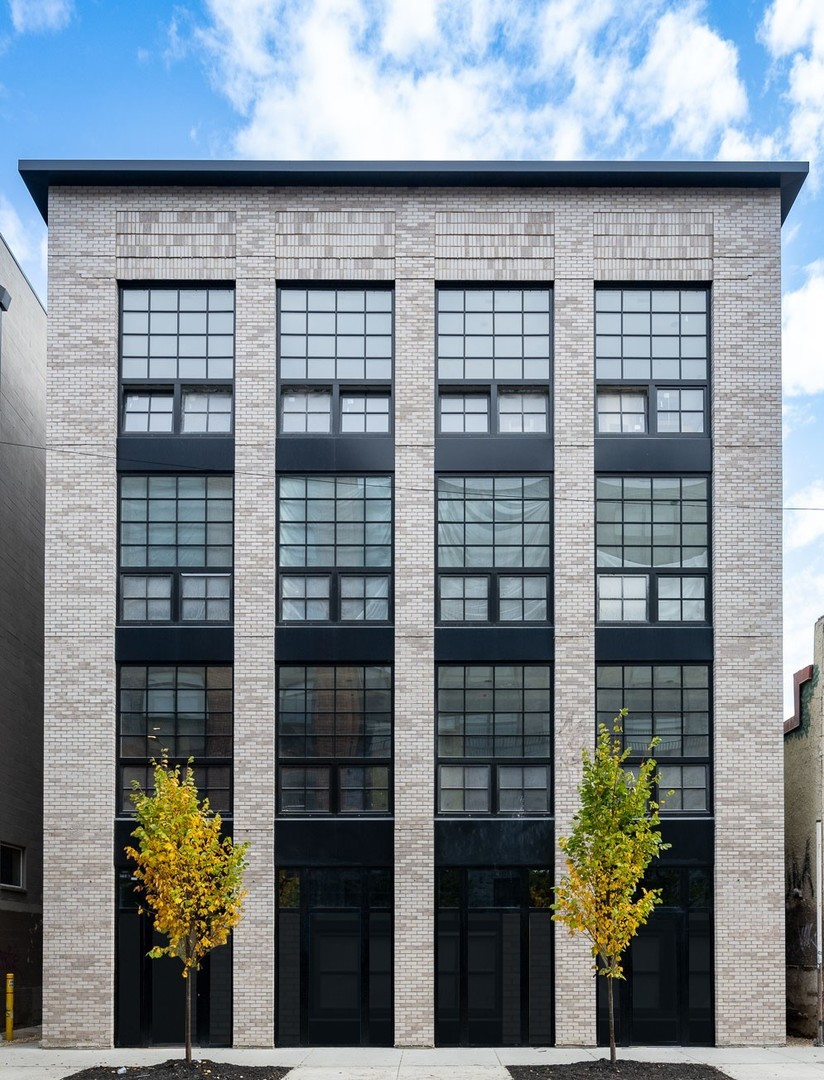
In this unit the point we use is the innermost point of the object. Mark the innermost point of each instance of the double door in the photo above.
(334, 958)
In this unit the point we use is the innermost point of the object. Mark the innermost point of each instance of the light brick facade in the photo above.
(257, 237)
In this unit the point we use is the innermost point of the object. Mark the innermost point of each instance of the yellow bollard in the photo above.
(9, 1007)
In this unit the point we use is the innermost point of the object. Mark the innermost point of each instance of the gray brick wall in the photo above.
(414, 237)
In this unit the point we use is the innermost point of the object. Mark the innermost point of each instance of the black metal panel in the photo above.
(494, 453)
(493, 841)
(339, 453)
(335, 644)
(491, 643)
(170, 453)
(174, 644)
(787, 176)
(334, 842)
(651, 643)
(652, 453)
(692, 840)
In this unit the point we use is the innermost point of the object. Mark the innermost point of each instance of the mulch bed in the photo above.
(624, 1068)
(177, 1069)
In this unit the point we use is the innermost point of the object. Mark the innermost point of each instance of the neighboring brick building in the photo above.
(803, 807)
(501, 449)
(22, 510)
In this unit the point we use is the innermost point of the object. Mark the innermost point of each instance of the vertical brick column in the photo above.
(81, 577)
(254, 615)
(414, 970)
(574, 560)
(746, 583)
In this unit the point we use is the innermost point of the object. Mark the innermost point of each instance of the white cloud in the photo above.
(689, 79)
(801, 334)
(39, 16)
(492, 79)
(804, 518)
(793, 32)
(803, 605)
(27, 242)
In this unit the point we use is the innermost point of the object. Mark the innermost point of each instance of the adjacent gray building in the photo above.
(22, 509)
(380, 485)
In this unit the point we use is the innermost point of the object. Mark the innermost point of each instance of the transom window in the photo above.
(670, 702)
(341, 340)
(655, 338)
(175, 548)
(329, 525)
(335, 739)
(490, 718)
(183, 711)
(647, 529)
(184, 339)
(496, 524)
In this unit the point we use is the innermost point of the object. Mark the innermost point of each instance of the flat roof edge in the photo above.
(40, 175)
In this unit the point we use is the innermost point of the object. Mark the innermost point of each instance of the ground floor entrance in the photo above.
(150, 993)
(493, 957)
(334, 957)
(667, 996)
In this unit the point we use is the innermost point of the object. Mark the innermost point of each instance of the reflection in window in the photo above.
(334, 739)
(486, 334)
(490, 718)
(671, 703)
(336, 334)
(182, 710)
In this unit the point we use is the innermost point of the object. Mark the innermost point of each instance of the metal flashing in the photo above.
(40, 175)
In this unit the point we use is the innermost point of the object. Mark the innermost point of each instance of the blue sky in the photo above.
(486, 79)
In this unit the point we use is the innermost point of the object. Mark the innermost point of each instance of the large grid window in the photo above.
(491, 717)
(335, 739)
(497, 524)
(658, 340)
(328, 525)
(669, 702)
(500, 340)
(175, 548)
(341, 340)
(652, 536)
(177, 349)
(183, 712)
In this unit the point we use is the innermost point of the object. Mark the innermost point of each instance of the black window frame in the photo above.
(13, 853)
(174, 385)
(205, 762)
(175, 571)
(494, 574)
(334, 763)
(335, 572)
(335, 386)
(650, 386)
(493, 386)
(654, 574)
(605, 715)
(494, 762)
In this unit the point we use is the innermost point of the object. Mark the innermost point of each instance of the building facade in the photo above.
(803, 809)
(22, 512)
(379, 486)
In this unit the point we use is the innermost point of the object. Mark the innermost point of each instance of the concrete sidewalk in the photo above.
(26, 1060)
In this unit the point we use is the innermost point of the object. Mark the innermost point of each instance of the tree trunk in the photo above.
(188, 1024)
(611, 1011)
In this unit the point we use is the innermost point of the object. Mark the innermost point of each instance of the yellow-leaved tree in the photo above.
(615, 835)
(190, 878)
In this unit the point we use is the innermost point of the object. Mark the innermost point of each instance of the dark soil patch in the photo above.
(177, 1069)
(624, 1069)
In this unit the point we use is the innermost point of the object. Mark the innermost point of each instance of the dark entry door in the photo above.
(149, 1005)
(334, 958)
(666, 998)
(494, 958)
